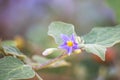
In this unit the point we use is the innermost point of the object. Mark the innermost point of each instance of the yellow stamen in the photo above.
(69, 43)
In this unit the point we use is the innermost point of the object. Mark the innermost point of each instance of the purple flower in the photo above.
(69, 43)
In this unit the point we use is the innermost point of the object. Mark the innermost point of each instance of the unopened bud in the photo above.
(49, 51)
(79, 40)
(77, 51)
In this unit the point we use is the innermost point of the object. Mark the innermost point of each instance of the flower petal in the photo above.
(75, 47)
(63, 47)
(65, 37)
(70, 50)
(73, 38)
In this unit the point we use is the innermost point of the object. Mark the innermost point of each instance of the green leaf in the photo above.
(14, 51)
(8, 43)
(12, 68)
(11, 50)
(9, 47)
(96, 49)
(100, 38)
(58, 28)
(105, 36)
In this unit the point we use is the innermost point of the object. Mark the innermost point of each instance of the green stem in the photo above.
(37, 75)
(49, 62)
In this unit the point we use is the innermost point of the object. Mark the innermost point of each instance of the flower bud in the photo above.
(79, 40)
(77, 51)
(49, 51)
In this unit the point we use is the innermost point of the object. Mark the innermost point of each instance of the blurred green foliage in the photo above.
(115, 5)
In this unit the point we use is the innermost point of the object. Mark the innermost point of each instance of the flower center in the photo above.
(69, 43)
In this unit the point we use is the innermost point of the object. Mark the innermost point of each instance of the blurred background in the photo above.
(28, 20)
